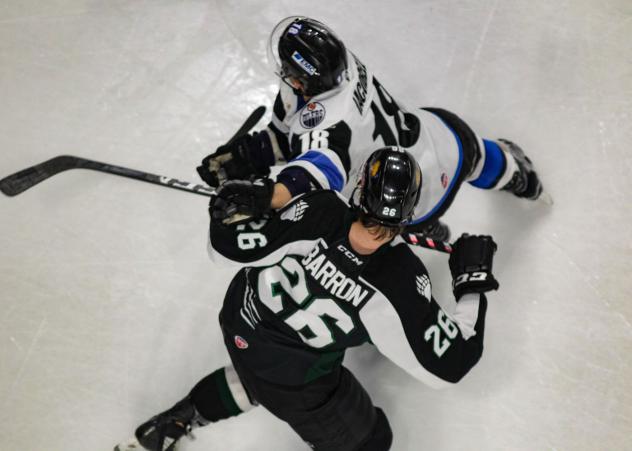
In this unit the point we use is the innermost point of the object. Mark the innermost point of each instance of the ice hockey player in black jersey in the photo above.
(320, 277)
(331, 112)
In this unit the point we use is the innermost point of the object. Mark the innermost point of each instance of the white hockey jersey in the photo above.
(333, 134)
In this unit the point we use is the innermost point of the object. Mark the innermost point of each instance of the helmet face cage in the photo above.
(308, 51)
(389, 186)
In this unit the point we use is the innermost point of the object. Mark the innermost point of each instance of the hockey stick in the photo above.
(418, 239)
(29, 177)
(19, 182)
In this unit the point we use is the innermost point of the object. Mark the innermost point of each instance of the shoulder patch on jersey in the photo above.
(312, 115)
(295, 212)
(423, 286)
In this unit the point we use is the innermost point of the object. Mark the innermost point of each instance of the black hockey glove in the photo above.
(240, 200)
(471, 265)
(246, 156)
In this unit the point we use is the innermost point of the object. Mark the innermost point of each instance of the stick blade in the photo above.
(19, 182)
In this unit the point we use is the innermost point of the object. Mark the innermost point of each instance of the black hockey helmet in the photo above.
(307, 50)
(389, 186)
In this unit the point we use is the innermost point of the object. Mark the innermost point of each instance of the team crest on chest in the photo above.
(312, 115)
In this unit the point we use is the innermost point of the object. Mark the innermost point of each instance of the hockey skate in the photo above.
(525, 181)
(163, 431)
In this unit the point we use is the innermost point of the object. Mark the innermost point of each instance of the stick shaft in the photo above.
(19, 182)
(162, 180)
(418, 239)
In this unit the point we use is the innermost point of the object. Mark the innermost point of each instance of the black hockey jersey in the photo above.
(305, 296)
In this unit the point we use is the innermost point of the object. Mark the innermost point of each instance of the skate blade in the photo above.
(130, 445)
(545, 198)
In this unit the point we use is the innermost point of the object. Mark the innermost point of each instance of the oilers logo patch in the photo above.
(312, 115)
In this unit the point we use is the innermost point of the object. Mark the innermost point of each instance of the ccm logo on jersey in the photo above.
(312, 115)
(350, 255)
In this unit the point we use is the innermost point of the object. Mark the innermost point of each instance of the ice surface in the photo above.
(109, 304)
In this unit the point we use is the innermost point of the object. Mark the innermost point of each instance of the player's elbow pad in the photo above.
(468, 364)
(216, 257)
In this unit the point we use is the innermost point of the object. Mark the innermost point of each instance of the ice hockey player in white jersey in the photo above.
(331, 112)
(319, 277)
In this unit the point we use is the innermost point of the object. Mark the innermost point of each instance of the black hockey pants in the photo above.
(471, 155)
(331, 413)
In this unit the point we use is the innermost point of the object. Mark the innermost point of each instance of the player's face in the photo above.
(296, 84)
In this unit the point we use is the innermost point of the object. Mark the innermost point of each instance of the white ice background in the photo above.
(108, 303)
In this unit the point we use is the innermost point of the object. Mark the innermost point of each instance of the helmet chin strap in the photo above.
(352, 198)
(295, 90)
